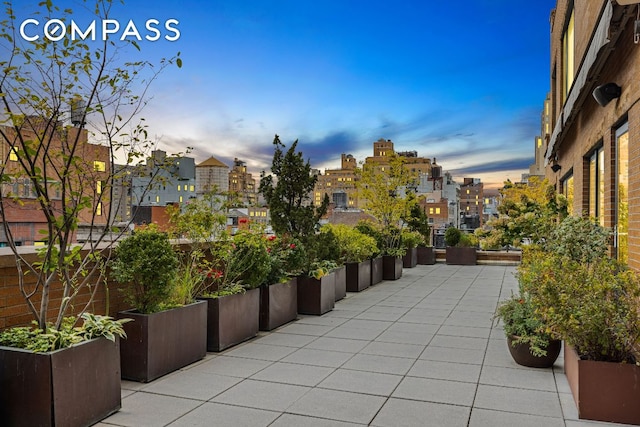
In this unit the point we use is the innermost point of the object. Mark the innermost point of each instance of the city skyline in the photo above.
(464, 83)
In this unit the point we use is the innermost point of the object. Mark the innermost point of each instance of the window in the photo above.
(99, 209)
(467, 191)
(437, 211)
(568, 53)
(622, 193)
(13, 154)
(192, 188)
(180, 199)
(99, 166)
(430, 211)
(157, 199)
(596, 185)
(567, 191)
(179, 187)
(99, 187)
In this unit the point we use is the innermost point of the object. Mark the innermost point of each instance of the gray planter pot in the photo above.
(232, 319)
(358, 275)
(278, 304)
(75, 386)
(316, 296)
(461, 256)
(163, 342)
(391, 267)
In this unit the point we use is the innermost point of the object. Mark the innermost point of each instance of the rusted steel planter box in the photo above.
(391, 267)
(376, 270)
(341, 282)
(603, 391)
(461, 256)
(75, 386)
(278, 304)
(316, 296)
(426, 255)
(232, 319)
(410, 259)
(358, 275)
(163, 342)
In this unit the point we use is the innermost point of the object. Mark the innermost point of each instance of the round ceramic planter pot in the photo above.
(522, 355)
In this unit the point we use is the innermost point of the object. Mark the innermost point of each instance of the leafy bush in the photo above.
(595, 307)
(452, 236)
(39, 340)
(287, 256)
(411, 239)
(146, 264)
(418, 221)
(580, 239)
(368, 229)
(353, 245)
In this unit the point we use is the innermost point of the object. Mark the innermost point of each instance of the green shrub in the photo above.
(452, 236)
(353, 245)
(580, 239)
(411, 239)
(146, 265)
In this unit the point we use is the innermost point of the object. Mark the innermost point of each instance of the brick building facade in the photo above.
(592, 154)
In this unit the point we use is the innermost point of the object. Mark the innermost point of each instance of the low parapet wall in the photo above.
(509, 258)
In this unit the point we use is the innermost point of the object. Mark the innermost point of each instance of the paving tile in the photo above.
(338, 344)
(286, 340)
(375, 315)
(309, 356)
(541, 379)
(232, 366)
(393, 349)
(445, 371)
(325, 320)
(459, 342)
(226, 415)
(292, 420)
(262, 395)
(488, 418)
(361, 382)
(421, 338)
(533, 402)
(412, 413)
(376, 325)
(465, 331)
(382, 364)
(305, 329)
(192, 384)
(260, 351)
(338, 405)
(147, 409)
(458, 355)
(353, 333)
(439, 391)
(290, 373)
(413, 327)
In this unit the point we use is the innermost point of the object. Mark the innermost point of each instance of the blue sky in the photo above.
(462, 81)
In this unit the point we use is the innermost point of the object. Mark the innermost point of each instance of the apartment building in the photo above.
(22, 210)
(593, 155)
(242, 185)
(471, 203)
(338, 184)
(212, 176)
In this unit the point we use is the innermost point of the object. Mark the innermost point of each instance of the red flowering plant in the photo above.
(287, 257)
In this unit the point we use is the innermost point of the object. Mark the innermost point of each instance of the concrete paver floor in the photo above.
(418, 351)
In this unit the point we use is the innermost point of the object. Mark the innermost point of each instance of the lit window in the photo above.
(596, 185)
(180, 199)
(179, 187)
(264, 214)
(252, 214)
(99, 166)
(13, 154)
(39, 243)
(467, 207)
(437, 211)
(99, 187)
(567, 190)
(476, 203)
(467, 191)
(568, 47)
(430, 211)
(157, 199)
(192, 188)
(99, 209)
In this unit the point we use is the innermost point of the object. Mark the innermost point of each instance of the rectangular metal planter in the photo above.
(232, 319)
(410, 259)
(461, 256)
(75, 386)
(376, 270)
(316, 296)
(163, 342)
(426, 255)
(391, 267)
(358, 275)
(341, 282)
(603, 391)
(278, 304)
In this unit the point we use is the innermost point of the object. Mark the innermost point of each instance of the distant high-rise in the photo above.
(212, 177)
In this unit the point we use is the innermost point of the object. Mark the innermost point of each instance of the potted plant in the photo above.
(240, 265)
(169, 327)
(52, 168)
(325, 247)
(418, 221)
(461, 248)
(592, 303)
(356, 250)
(410, 241)
(527, 339)
(279, 296)
(316, 288)
(367, 228)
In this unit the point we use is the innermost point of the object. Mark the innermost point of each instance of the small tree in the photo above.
(418, 221)
(387, 198)
(61, 165)
(288, 193)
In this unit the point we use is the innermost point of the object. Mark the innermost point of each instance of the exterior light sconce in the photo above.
(555, 167)
(605, 93)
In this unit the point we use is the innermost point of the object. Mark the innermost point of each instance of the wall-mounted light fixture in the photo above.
(605, 93)
(555, 167)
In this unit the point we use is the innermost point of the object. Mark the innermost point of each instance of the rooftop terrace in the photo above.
(413, 352)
